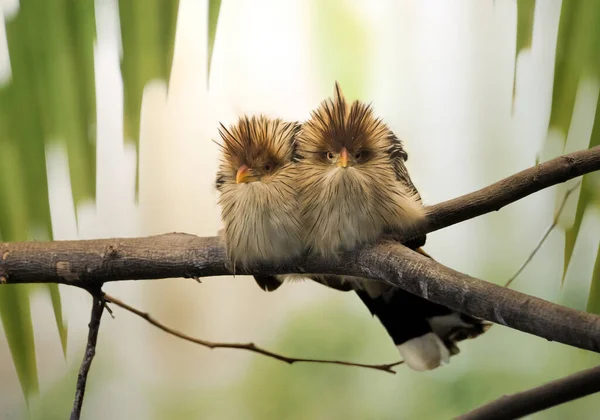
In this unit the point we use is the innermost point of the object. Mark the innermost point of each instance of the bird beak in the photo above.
(343, 162)
(243, 175)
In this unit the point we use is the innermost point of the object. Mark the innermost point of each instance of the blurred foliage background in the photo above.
(107, 108)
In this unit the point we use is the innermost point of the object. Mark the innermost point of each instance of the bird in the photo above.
(258, 198)
(355, 188)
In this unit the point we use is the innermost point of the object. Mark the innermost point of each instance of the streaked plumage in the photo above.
(259, 203)
(335, 210)
(354, 187)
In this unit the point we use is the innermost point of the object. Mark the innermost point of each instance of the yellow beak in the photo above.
(343, 162)
(243, 175)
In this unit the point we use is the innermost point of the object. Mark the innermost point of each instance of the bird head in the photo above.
(345, 137)
(255, 150)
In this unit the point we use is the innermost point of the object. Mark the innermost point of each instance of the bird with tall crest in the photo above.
(354, 188)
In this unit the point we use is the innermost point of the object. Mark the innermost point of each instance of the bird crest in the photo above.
(336, 123)
(255, 139)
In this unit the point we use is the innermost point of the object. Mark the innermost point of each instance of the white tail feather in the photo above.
(424, 353)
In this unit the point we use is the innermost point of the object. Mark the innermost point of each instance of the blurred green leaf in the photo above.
(50, 38)
(577, 56)
(214, 7)
(60, 322)
(342, 44)
(147, 34)
(18, 328)
(50, 99)
(62, 92)
(594, 300)
(14, 299)
(590, 192)
(565, 73)
(525, 12)
(81, 25)
(148, 38)
(22, 106)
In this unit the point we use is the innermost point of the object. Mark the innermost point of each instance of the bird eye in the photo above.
(329, 155)
(358, 155)
(267, 167)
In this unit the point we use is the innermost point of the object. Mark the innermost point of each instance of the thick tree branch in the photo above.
(387, 367)
(89, 264)
(90, 352)
(540, 398)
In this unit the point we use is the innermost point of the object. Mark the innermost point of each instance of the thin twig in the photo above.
(544, 237)
(109, 310)
(244, 346)
(90, 352)
(546, 234)
(539, 398)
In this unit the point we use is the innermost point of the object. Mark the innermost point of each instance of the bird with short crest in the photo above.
(258, 197)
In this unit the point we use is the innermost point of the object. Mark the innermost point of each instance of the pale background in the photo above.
(440, 73)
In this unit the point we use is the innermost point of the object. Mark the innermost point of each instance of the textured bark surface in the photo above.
(90, 263)
(512, 188)
(540, 398)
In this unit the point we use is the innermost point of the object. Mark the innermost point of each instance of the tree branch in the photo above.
(89, 264)
(512, 188)
(387, 367)
(540, 398)
(90, 352)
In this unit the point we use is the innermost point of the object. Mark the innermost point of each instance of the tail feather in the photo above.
(272, 283)
(423, 353)
(268, 283)
(425, 333)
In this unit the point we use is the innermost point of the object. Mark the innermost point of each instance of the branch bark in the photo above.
(88, 264)
(512, 188)
(91, 263)
(540, 398)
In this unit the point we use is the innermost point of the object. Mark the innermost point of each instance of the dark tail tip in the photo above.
(267, 283)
